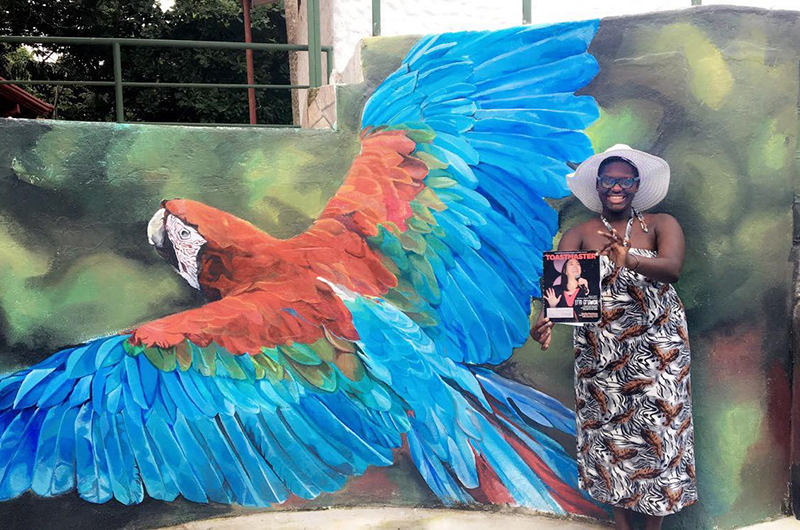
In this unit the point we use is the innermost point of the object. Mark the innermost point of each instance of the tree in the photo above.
(188, 20)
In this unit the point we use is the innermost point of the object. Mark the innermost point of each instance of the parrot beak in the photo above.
(156, 231)
(157, 236)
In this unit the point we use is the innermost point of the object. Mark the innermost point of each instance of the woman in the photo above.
(569, 287)
(635, 436)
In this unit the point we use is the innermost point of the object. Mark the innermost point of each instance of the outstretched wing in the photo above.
(460, 147)
(114, 420)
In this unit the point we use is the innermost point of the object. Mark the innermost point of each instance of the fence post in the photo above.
(314, 44)
(329, 64)
(376, 18)
(251, 77)
(118, 83)
(526, 12)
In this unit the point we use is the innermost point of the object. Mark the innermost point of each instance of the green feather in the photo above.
(420, 134)
(324, 350)
(162, 359)
(412, 241)
(231, 364)
(320, 377)
(422, 212)
(428, 197)
(393, 249)
(431, 161)
(130, 349)
(184, 355)
(442, 250)
(266, 360)
(300, 353)
(422, 271)
(418, 225)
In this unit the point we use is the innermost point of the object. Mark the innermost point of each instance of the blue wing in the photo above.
(103, 420)
(496, 120)
(473, 434)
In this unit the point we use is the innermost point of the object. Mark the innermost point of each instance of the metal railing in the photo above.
(314, 49)
(376, 15)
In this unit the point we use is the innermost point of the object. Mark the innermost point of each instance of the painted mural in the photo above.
(317, 356)
(382, 317)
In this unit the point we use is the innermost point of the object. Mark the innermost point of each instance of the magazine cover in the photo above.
(571, 287)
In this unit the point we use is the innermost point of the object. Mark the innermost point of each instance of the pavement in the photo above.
(414, 519)
(788, 523)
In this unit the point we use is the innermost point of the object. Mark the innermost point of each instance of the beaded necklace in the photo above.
(627, 240)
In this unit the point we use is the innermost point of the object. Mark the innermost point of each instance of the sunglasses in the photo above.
(609, 182)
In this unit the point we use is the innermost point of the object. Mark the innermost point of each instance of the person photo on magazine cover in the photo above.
(568, 287)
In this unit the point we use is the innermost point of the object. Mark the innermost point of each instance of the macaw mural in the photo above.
(317, 356)
(713, 90)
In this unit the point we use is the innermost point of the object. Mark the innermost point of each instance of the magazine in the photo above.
(571, 287)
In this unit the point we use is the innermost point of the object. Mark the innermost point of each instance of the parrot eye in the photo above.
(184, 234)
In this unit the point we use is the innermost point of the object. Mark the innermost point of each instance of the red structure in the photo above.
(16, 102)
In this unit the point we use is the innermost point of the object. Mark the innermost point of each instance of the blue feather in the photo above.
(152, 468)
(236, 478)
(81, 392)
(64, 472)
(125, 483)
(18, 453)
(297, 476)
(30, 390)
(264, 484)
(202, 460)
(57, 390)
(174, 460)
(110, 352)
(147, 377)
(44, 463)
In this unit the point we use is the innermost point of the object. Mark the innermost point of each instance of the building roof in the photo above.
(16, 102)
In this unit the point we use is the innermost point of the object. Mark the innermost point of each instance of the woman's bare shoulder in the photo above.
(589, 226)
(574, 238)
(663, 221)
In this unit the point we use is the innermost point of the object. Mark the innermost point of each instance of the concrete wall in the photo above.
(714, 91)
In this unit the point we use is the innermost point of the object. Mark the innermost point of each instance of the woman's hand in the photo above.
(614, 249)
(541, 331)
(583, 282)
(551, 298)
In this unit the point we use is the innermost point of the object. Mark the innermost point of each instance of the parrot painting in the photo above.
(318, 356)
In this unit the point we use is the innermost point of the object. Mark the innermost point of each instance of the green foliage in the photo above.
(75, 199)
(220, 20)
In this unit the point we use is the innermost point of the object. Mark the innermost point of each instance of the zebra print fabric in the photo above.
(634, 413)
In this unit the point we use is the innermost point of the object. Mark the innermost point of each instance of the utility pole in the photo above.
(251, 77)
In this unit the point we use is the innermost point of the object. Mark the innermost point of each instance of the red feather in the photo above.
(269, 291)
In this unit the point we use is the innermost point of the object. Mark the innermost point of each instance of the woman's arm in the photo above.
(669, 243)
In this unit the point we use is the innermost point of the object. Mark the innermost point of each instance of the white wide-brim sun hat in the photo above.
(653, 178)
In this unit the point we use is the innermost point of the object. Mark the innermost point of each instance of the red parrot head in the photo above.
(202, 243)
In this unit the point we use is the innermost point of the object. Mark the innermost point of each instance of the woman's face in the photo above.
(573, 268)
(617, 199)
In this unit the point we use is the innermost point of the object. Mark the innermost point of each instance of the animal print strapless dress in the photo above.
(634, 413)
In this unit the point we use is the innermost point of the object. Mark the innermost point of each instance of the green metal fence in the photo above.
(314, 49)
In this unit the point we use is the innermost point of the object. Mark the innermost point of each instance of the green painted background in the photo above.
(714, 91)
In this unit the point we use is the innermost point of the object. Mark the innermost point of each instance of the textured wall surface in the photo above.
(352, 19)
(719, 104)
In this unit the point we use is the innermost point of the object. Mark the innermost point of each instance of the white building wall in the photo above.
(352, 19)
